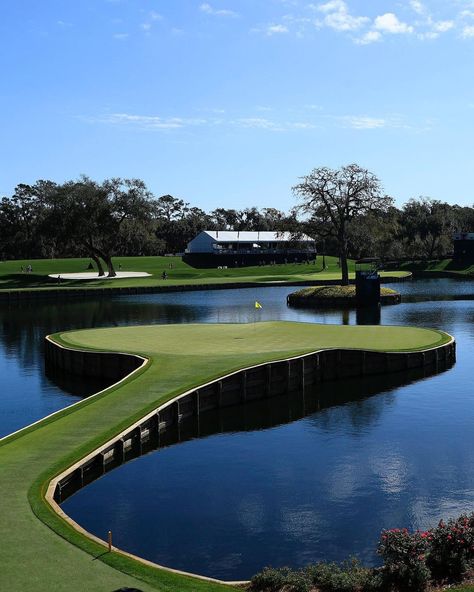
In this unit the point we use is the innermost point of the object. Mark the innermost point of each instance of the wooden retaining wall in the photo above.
(89, 364)
(259, 382)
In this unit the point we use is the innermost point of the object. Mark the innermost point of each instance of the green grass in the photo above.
(33, 556)
(180, 274)
(447, 266)
(330, 292)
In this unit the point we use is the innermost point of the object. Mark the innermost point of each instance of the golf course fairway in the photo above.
(40, 551)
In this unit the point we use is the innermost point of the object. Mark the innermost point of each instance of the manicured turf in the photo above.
(331, 292)
(179, 274)
(445, 266)
(33, 556)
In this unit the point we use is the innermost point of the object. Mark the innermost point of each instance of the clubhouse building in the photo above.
(464, 246)
(232, 248)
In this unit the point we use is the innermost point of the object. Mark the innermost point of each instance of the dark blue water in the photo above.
(372, 454)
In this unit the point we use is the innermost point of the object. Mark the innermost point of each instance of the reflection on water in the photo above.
(297, 490)
(316, 487)
(27, 394)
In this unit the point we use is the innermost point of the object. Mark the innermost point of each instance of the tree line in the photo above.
(344, 210)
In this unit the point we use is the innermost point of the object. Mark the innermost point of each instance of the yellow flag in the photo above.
(257, 304)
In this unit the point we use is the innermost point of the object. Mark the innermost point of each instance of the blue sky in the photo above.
(226, 103)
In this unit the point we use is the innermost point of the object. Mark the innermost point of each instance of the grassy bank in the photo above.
(439, 266)
(37, 554)
(179, 273)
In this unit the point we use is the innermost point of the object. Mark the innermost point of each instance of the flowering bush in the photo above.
(411, 560)
(451, 547)
(404, 556)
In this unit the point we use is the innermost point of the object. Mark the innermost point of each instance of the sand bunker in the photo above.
(92, 275)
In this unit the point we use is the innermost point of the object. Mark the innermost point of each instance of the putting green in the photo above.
(33, 556)
(250, 339)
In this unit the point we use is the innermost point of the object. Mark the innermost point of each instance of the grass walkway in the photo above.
(33, 556)
(179, 274)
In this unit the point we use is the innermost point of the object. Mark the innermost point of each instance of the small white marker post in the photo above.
(110, 541)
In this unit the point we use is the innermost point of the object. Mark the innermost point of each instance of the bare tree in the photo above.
(331, 198)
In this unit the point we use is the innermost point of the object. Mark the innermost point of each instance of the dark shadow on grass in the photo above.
(458, 265)
(24, 280)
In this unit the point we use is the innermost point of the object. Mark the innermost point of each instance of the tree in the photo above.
(333, 197)
(177, 223)
(225, 219)
(171, 208)
(94, 215)
(376, 234)
(428, 226)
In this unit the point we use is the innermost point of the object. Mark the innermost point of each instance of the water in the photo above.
(269, 486)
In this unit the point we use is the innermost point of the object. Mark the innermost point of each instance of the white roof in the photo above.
(246, 236)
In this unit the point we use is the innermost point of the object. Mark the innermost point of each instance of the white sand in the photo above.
(88, 275)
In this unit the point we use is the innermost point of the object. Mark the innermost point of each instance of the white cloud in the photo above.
(257, 122)
(121, 36)
(369, 37)
(331, 6)
(161, 124)
(155, 16)
(443, 26)
(260, 122)
(208, 9)
(361, 122)
(338, 16)
(467, 32)
(271, 29)
(343, 21)
(276, 29)
(148, 122)
(271, 125)
(418, 7)
(367, 122)
(389, 23)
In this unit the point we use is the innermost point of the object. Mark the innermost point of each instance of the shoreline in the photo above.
(20, 295)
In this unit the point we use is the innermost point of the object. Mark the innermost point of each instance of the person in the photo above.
(59, 279)
(22, 269)
(120, 266)
(164, 275)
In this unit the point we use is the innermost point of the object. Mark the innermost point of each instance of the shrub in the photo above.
(404, 556)
(451, 547)
(275, 579)
(349, 576)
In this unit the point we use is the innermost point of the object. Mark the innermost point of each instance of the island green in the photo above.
(41, 551)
